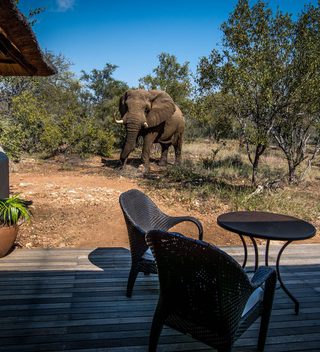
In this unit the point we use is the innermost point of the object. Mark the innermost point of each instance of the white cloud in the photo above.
(65, 5)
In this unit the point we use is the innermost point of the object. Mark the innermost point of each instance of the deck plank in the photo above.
(74, 300)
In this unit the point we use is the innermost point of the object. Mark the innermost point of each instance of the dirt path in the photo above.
(77, 205)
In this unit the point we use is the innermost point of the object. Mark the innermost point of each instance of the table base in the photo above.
(266, 259)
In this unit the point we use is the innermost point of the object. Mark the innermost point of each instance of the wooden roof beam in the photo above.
(12, 52)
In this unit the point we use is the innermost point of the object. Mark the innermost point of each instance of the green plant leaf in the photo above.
(13, 210)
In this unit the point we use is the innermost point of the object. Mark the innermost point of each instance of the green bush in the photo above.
(90, 139)
(11, 136)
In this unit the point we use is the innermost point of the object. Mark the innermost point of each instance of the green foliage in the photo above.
(10, 137)
(12, 210)
(89, 139)
(171, 77)
(298, 123)
(101, 85)
(209, 118)
(34, 122)
(102, 93)
(55, 115)
(267, 67)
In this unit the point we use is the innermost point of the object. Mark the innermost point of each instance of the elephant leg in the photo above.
(178, 148)
(146, 149)
(164, 154)
(124, 163)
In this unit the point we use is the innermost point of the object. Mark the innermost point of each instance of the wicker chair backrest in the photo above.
(141, 210)
(200, 285)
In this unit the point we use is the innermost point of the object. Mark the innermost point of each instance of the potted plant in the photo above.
(13, 212)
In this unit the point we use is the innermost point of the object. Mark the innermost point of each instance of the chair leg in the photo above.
(131, 280)
(156, 328)
(225, 349)
(270, 286)
(263, 331)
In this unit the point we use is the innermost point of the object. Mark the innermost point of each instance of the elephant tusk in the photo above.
(145, 125)
(118, 121)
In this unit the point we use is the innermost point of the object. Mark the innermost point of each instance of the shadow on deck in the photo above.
(74, 300)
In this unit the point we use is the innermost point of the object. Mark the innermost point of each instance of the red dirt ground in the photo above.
(76, 204)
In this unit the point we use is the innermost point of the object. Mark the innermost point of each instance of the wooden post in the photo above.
(4, 175)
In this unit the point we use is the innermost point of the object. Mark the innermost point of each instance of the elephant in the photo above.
(153, 115)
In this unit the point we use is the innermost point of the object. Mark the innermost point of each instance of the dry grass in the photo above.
(217, 176)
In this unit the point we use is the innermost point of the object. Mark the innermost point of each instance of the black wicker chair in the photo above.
(205, 293)
(142, 215)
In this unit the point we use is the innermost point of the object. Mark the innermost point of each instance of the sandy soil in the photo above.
(76, 204)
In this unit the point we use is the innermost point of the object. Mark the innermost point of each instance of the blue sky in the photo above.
(130, 34)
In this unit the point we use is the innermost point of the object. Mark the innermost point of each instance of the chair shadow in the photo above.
(99, 256)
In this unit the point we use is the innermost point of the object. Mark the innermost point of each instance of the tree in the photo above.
(171, 77)
(209, 118)
(101, 85)
(102, 93)
(48, 116)
(255, 70)
(298, 124)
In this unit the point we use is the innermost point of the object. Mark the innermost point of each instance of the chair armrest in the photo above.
(263, 274)
(174, 220)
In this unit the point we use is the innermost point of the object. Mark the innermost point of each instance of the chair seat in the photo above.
(148, 255)
(256, 297)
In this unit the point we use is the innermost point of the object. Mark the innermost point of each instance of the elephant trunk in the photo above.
(130, 143)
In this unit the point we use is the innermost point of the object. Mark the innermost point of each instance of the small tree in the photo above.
(294, 137)
(101, 86)
(253, 70)
(209, 118)
(101, 93)
(171, 77)
(298, 124)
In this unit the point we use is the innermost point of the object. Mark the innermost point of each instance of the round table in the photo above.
(267, 226)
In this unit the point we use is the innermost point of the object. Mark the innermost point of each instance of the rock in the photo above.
(71, 191)
(25, 184)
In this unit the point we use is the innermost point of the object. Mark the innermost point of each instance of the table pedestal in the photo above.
(266, 259)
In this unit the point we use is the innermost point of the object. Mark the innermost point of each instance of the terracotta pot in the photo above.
(8, 235)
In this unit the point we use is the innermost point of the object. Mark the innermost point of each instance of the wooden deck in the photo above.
(74, 300)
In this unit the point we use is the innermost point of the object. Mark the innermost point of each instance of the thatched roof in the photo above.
(20, 54)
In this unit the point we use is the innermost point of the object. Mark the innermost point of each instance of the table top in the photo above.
(266, 225)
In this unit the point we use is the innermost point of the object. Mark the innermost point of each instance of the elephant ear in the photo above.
(122, 105)
(162, 108)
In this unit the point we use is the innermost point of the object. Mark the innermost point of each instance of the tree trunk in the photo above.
(255, 162)
(291, 171)
(255, 171)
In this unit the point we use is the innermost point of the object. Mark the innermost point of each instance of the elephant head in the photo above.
(141, 109)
